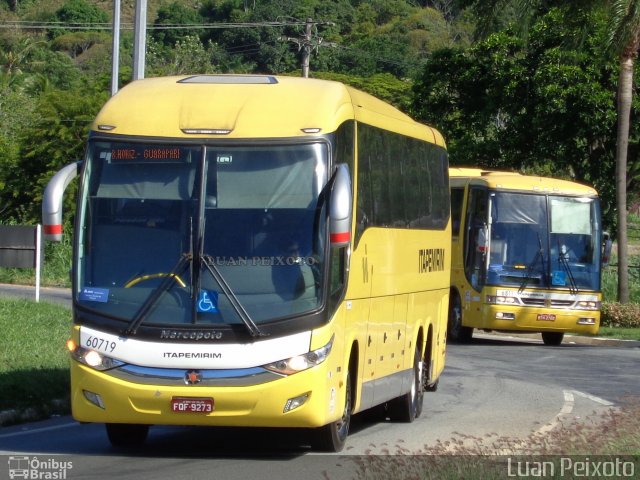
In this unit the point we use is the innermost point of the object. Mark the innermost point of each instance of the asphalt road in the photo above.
(496, 386)
(47, 294)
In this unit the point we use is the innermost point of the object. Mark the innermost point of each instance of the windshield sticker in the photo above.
(94, 294)
(224, 158)
(208, 301)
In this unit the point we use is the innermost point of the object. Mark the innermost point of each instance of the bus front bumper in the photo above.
(536, 320)
(100, 397)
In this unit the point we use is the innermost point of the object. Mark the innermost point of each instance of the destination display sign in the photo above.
(146, 153)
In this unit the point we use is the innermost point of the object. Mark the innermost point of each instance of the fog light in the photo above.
(94, 398)
(505, 316)
(586, 321)
(295, 402)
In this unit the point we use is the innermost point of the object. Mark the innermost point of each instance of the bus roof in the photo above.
(247, 106)
(501, 180)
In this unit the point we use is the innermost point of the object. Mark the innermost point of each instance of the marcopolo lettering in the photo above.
(190, 335)
(431, 260)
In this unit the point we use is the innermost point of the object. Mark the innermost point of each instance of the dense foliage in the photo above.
(534, 107)
(539, 104)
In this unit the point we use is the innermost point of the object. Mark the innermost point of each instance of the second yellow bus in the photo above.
(526, 255)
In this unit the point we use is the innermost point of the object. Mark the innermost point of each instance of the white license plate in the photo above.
(547, 317)
(191, 405)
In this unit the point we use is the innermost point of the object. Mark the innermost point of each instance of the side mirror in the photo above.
(607, 244)
(340, 207)
(52, 201)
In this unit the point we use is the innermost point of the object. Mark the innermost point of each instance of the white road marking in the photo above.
(593, 398)
(567, 408)
(38, 430)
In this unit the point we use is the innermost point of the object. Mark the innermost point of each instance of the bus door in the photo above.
(476, 248)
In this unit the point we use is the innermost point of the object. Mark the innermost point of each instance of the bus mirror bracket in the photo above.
(52, 201)
(340, 207)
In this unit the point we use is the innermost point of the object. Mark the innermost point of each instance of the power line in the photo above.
(32, 25)
(307, 43)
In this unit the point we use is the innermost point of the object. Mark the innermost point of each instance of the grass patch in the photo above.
(34, 364)
(620, 333)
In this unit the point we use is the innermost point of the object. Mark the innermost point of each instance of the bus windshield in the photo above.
(191, 234)
(544, 241)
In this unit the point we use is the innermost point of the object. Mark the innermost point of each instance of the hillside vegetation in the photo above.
(540, 102)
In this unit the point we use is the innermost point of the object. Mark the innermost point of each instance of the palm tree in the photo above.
(624, 41)
(624, 38)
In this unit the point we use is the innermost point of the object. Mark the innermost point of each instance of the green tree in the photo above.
(62, 121)
(624, 41)
(176, 14)
(77, 43)
(16, 113)
(79, 12)
(381, 85)
(624, 38)
(533, 107)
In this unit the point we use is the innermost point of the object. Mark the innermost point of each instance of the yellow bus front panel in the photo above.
(253, 405)
(527, 319)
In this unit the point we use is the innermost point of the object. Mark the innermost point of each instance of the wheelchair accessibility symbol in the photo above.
(208, 302)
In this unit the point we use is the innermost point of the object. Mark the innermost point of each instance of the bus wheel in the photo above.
(408, 407)
(126, 435)
(552, 338)
(332, 437)
(455, 331)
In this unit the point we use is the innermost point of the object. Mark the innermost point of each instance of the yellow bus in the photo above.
(255, 251)
(527, 254)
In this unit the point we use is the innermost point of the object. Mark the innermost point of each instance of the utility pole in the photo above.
(115, 55)
(139, 43)
(307, 43)
(306, 49)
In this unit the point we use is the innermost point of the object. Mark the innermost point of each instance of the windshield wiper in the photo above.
(231, 296)
(167, 282)
(562, 258)
(540, 255)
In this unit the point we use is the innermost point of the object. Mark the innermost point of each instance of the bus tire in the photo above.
(333, 436)
(455, 331)
(408, 407)
(126, 435)
(552, 338)
(432, 387)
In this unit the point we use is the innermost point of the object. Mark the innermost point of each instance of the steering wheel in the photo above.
(151, 276)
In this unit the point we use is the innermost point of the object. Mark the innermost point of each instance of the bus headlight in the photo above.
(91, 358)
(498, 300)
(299, 363)
(588, 305)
